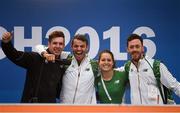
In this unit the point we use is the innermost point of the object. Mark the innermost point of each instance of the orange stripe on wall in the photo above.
(86, 108)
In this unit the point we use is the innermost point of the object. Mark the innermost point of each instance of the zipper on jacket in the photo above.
(139, 88)
(76, 87)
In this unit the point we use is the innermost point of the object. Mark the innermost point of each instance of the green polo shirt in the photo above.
(115, 87)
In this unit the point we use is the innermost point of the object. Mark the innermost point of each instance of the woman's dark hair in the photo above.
(107, 51)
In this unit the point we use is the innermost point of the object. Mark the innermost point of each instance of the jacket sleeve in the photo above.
(168, 80)
(23, 59)
(40, 48)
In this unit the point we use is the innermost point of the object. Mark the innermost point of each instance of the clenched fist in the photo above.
(6, 37)
(49, 57)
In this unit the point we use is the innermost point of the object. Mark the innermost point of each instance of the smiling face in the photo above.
(56, 45)
(106, 62)
(79, 49)
(135, 49)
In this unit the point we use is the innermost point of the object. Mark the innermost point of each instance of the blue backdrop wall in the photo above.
(107, 23)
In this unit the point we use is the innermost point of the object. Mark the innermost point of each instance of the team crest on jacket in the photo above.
(117, 82)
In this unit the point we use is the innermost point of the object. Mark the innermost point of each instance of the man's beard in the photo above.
(136, 56)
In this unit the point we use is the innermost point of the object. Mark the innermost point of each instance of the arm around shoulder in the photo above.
(40, 49)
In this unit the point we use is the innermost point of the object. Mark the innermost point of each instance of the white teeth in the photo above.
(106, 66)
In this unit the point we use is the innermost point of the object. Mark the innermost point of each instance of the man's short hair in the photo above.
(134, 36)
(80, 37)
(55, 34)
